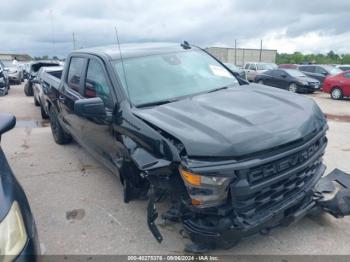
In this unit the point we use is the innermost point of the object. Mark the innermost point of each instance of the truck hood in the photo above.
(236, 121)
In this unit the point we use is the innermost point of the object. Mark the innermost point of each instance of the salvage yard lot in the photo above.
(79, 209)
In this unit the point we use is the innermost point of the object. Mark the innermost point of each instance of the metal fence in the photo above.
(239, 56)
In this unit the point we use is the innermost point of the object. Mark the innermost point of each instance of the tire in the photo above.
(28, 89)
(336, 93)
(36, 103)
(43, 113)
(59, 135)
(293, 87)
(261, 82)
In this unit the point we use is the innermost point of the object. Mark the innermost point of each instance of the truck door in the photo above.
(98, 134)
(69, 93)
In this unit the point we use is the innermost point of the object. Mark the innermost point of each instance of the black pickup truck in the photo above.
(171, 120)
(46, 77)
(34, 68)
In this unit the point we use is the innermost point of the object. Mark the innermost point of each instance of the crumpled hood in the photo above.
(236, 121)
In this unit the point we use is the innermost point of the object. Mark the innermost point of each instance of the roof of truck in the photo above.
(133, 50)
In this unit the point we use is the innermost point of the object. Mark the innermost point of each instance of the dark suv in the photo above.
(171, 120)
(319, 72)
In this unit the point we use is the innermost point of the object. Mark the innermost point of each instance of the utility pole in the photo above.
(74, 44)
(53, 34)
(235, 52)
(260, 50)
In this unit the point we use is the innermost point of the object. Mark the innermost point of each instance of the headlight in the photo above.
(205, 191)
(13, 235)
(304, 83)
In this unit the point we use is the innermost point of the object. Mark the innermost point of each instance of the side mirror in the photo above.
(90, 107)
(7, 122)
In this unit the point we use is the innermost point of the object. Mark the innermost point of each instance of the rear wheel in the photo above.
(60, 136)
(293, 88)
(336, 93)
(43, 113)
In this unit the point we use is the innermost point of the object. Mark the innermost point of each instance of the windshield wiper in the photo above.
(156, 103)
(218, 89)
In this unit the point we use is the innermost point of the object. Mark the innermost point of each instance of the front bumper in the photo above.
(16, 77)
(307, 88)
(229, 230)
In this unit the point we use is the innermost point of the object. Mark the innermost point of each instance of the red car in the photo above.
(338, 85)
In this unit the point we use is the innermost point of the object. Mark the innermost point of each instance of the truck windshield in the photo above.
(167, 77)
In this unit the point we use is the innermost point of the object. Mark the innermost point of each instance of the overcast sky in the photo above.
(40, 27)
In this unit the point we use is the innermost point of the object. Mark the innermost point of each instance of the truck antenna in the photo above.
(121, 58)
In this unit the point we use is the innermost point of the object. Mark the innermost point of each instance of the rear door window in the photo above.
(307, 69)
(75, 72)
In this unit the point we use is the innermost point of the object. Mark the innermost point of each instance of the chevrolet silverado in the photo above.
(171, 120)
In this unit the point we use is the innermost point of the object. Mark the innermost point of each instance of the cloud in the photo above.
(46, 26)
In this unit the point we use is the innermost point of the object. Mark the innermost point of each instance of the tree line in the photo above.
(299, 58)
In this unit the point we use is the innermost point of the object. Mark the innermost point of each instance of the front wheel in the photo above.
(293, 88)
(60, 136)
(336, 93)
(261, 82)
(36, 103)
(28, 89)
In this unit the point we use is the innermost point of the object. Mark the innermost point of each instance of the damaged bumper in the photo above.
(229, 229)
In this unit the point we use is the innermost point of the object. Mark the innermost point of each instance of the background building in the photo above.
(19, 57)
(239, 56)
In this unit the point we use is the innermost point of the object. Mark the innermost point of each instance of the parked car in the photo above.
(252, 69)
(33, 71)
(338, 86)
(45, 78)
(343, 67)
(18, 235)
(170, 119)
(14, 72)
(288, 66)
(4, 81)
(289, 79)
(240, 72)
(320, 72)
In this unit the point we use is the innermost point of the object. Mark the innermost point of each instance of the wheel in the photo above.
(60, 136)
(336, 93)
(36, 103)
(43, 113)
(293, 87)
(28, 89)
(261, 82)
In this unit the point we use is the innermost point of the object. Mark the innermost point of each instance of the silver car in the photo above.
(14, 72)
(252, 69)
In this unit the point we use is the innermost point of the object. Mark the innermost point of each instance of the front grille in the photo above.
(262, 188)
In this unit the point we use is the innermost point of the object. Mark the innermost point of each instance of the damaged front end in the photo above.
(220, 204)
